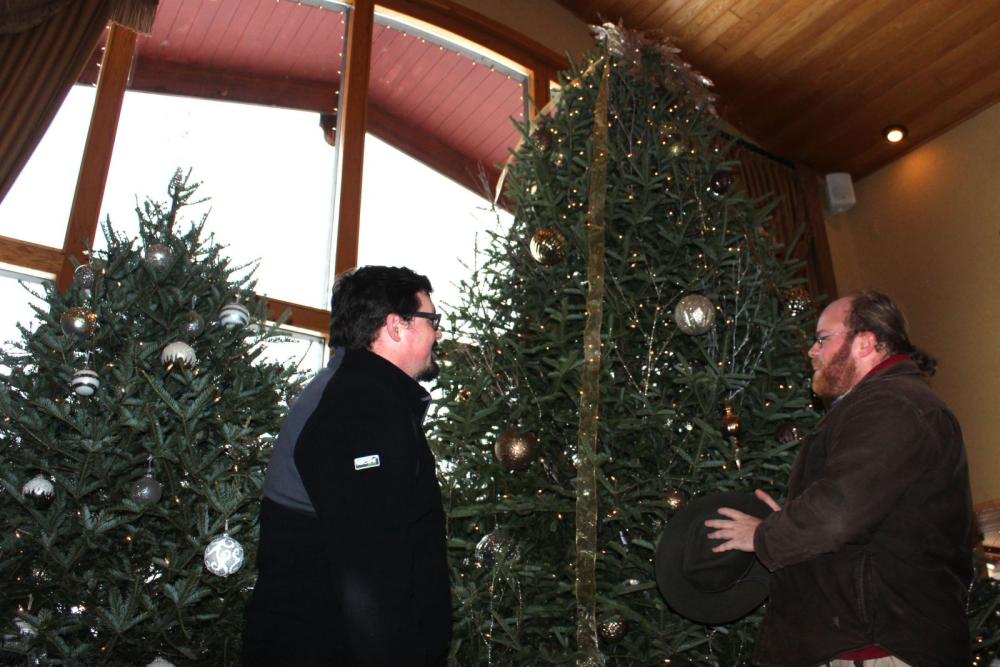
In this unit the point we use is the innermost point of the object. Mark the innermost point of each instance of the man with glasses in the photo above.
(352, 561)
(871, 554)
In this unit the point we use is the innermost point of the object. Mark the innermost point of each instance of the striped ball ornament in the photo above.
(234, 315)
(85, 382)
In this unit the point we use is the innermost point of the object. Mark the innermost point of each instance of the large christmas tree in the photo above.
(136, 418)
(637, 339)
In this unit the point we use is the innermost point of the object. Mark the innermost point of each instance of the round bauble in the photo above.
(85, 382)
(731, 423)
(694, 314)
(159, 258)
(496, 546)
(180, 353)
(612, 630)
(542, 138)
(192, 325)
(224, 556)
(234, 315)
(39, 490)
(548, 246)
(797, 301)
(721, 183)
(788, 432)
(514, 449)
(146, 490)
(83, 277)
(78, 322)
(676, 500)
(160, 662)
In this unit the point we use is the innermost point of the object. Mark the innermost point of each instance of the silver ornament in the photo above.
(83, 276)
(159, 258)
(224, 556)
(178, 352)
(78, 322)
(146, 490)
(193, 324)
(694, 314)
(234, 315)
(495, 547)
(85, 382)
(39, 490)
(159, 661)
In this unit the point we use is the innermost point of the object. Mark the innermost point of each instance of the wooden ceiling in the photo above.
(816, 81)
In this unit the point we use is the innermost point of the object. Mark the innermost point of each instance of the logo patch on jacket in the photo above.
(370, 461)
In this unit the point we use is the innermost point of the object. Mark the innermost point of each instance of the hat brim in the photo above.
(710, 608)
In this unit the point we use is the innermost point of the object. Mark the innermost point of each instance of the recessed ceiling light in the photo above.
(894, 133)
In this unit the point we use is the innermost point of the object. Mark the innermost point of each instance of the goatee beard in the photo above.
(430, 372)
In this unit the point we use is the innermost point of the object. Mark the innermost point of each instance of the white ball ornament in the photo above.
(160, 662)
(234, 315)
(224, 556)
(694, 314)
(178, 352)
(85, 382)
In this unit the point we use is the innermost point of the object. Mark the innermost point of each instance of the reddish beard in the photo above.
(836, 377)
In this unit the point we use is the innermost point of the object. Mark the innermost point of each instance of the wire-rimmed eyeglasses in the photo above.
(821, 340)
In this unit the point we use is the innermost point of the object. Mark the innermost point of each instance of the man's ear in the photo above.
(392, 324)
(867, 343)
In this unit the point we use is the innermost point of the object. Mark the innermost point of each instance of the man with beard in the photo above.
(870, 557)
(352, 562)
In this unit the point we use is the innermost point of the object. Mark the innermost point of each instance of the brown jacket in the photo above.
(873, 547)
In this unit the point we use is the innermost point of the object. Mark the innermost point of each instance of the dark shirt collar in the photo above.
(389, 374)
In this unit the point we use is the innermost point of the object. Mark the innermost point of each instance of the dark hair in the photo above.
(363, 297)
(875, 312)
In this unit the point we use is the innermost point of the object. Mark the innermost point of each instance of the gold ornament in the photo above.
(464, 394)
(613, 630)
(797, 301)
(514, 449)
(676, 145)
(548, 246)
(676, 500)
(731, 424)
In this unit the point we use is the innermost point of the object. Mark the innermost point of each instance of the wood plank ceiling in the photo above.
(816, 81)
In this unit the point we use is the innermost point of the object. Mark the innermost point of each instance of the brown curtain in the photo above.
(44, 45)
(797, 221)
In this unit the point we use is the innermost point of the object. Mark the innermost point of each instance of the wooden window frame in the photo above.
(541, 64)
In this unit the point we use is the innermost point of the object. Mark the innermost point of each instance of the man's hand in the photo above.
(737, 530)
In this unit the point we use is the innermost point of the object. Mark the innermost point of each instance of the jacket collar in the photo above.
(393, 378)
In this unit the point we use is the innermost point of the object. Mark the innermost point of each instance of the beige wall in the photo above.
(544, 21)
(926, 230)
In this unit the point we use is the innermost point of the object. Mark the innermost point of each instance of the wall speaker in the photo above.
(839, 192)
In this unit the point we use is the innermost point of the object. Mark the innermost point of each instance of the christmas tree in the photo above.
(637, 339)
(137, 415)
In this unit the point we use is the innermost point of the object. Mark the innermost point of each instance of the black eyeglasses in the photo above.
(435, 318)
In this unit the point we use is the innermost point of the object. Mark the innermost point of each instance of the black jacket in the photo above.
(364, 581)
(873, 547)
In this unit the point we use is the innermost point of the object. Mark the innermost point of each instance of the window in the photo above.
(37, 207)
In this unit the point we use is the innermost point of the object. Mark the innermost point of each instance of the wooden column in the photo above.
(86, 210)
(352, 112)
(540, 77)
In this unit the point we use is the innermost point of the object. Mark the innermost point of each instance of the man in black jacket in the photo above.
(871, 555)
(352, 562)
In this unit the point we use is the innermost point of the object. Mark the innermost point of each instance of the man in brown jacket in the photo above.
(870, 557)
